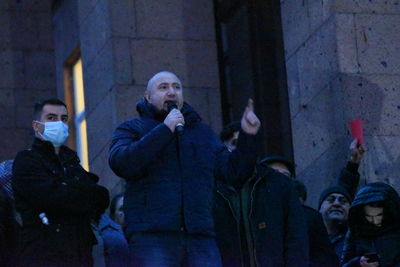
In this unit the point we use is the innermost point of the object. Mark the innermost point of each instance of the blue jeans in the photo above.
(164, 249)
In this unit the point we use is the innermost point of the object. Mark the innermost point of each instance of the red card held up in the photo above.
(356, 128)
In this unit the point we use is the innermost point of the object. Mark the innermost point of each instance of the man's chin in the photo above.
(336, 216)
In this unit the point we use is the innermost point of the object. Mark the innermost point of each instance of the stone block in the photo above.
(318, 12)
(7, 97)
(346, 43)
(194, 62)
(378, 42)
(381, 161)
(317, 126)
(99, 165)
(98, 77)
(7, 117)
(122, 60)
(12, 63)
(123, 17)
(374, 98)
(5, 30)
(14, 140)
(175, 19)
(39, 69)
(126, 99)
(367, 6)
(25, 99)
(100, 125)
(323, 171)
(293, 83)
(317, 61)
(95, 31)
(295, 25)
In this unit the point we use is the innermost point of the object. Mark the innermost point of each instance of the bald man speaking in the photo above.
(170, 175)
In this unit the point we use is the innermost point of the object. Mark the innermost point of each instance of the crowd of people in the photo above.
(191, 198)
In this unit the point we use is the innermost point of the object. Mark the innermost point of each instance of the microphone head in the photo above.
(171, 105)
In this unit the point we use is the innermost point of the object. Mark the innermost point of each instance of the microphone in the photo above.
(44, 218)
(179, 127)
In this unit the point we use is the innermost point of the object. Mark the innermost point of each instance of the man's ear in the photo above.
(35, 125)
(147, 96)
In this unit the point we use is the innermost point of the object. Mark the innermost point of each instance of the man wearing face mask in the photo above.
(54, 195)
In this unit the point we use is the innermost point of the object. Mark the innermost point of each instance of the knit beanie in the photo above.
(333, 189)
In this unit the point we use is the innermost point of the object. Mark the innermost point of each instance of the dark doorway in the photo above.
(252, 64)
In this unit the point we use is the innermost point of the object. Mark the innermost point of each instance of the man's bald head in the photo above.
(160, 75)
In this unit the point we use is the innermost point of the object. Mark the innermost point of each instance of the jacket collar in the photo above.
(47, 149)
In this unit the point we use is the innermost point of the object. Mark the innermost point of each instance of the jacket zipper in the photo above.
(237, 226)
(250, 222)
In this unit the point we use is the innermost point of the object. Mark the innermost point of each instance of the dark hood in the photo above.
(145, 109)
(375, 192)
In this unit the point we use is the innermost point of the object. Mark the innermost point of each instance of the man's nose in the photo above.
(171, 91)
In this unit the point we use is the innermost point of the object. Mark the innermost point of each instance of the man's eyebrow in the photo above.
(51, 114)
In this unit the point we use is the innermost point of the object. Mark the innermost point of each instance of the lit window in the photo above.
(79, 116)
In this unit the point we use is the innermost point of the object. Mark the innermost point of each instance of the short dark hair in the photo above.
(38, 108)
(300, 189)
(113, 204)
(229, 130)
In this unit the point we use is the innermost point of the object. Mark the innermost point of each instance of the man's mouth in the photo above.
(336, 211)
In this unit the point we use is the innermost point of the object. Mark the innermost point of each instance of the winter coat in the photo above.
(273, 231)
(170, 179)
(57, 188)
(363, 237)
(322, 253)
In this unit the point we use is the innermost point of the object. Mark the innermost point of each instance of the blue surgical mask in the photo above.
(55, 132)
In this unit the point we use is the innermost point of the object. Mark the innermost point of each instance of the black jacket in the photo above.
(273, 227)
(322, 253)
(170, 179)
(58, 187)
(364, 237)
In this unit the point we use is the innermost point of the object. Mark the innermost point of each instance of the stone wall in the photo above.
(342, 59)
(27, 70)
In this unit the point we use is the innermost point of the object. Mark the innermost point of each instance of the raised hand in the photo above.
(250, 122)
(357, 151)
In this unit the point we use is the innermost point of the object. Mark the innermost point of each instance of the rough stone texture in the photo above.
(94, 31)
(123, 18)
(190, 60)
(367, 6)
(378, 42)
(346, 43)
(175, 19)
(317, 62)
(100, 127)
(375, 98)
(294, 24)
(27, 60)
(39, 64)
(12, 63)
(342, 62)
(316, 127)
(98, 77)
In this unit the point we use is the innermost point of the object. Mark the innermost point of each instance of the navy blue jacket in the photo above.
(170, 179)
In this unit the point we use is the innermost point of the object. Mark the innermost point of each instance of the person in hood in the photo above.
(170, 176)
(373, 238)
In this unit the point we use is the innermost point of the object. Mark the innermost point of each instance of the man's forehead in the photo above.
(165, 77)
(335, 195)
(54, 109)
